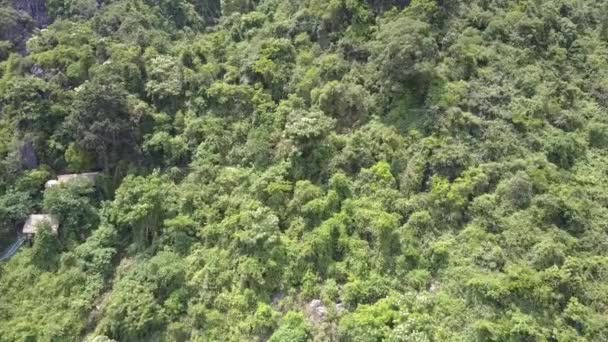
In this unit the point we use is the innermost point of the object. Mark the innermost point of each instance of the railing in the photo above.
(12, 249)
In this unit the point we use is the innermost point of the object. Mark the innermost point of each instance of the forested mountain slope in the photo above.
(316, 170)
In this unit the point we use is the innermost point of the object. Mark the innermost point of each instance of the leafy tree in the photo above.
(405, 54)
(306, 170)
(73, 207)
(133, 313)
(140, 206)
(72, 8)
(165, 80)
(292, 328)
(45, 252)
(101, 122)
(344, 102)
(77, 160)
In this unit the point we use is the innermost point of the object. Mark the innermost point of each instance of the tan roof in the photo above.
(35, 221)
(61, 179)
(89, 176)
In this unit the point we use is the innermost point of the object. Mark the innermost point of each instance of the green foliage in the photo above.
(598, 135)
(165, 79)
(72, 205)
(72, 8)
(369, 323)
(100, 121)
(45, 252)
(293, 328)
(140, 206)
(345, 102)
(343, 170)
(77, 160)
(563, 151)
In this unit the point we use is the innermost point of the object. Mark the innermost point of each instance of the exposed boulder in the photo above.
(37, 71)
(317, 311)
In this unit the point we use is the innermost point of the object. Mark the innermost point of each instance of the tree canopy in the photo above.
(319, 170)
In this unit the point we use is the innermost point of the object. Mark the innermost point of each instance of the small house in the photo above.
(30, 228)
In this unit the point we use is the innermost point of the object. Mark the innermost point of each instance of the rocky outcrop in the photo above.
(27, 152)
(36, 9)
(317, 311)
(18, 22)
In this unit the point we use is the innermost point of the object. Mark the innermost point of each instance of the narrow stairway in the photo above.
(12, 249)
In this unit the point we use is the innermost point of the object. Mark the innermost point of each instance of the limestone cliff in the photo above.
(18, 18)
(36, 9)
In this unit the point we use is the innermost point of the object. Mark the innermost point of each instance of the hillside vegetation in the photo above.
(314, 170)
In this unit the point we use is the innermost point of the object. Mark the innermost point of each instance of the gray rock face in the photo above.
(28, 155)
(383, 5)
(37, 70)
(23, 17)
(277, 298)
(36, 9)
(317, 310)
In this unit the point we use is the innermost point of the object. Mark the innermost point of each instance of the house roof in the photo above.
(62, 179)
(89, 176)
(35, 221)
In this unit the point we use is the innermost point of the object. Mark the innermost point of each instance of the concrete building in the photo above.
(30, 228)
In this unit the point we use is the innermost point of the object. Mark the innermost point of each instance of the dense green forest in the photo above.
(306, 170)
